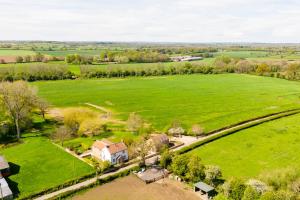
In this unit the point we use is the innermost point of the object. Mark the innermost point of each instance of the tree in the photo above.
(250, 194)
(176, 129)
(263, 69)
(195, 171)
(197, 130)
(135, 122)
(292, 70)
(61, 134)
(212, 174)
(19, 59)
(43, 106)
(165, 158)
(74, 117)
(234, 188)
(27, 58)
(141, 149)
(18, 99)
(180, 165)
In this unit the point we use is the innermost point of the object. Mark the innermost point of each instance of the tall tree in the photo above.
(18, 99)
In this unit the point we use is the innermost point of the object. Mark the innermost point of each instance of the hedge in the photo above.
(236, 129)
(99, 182)
(61, 186)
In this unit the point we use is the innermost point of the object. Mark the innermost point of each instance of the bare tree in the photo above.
(134, 122)
(61, 134)
(197, 130)
(18, 99)
(43, 106)
(141, 149)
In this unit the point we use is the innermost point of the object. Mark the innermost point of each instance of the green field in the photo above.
(5, 52)
(214, 101)
(37, 164)
(243, 54)
(67, 52)
(249, 152)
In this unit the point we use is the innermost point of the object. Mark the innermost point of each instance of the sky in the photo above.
(276, 21)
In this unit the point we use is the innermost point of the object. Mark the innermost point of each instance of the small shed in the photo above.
(206, 191)
(4, 167)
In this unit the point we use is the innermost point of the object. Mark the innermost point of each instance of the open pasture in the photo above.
(213, 101)
(269, 146)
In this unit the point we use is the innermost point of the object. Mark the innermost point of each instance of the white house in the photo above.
(107, 151)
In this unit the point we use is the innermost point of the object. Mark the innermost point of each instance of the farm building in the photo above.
(206, 191)
(185, 58)
(4, 167)
(158, 141)
(107, 151)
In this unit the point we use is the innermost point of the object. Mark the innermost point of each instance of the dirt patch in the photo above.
(8, 59)
(132, 188)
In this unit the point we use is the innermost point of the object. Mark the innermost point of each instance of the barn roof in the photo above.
(204, 187)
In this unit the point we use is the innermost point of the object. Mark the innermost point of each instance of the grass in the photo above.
(37, 164)
(213, 101)
(249, 152)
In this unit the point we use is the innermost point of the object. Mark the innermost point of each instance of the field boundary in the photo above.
(210, 137)
(214, 135)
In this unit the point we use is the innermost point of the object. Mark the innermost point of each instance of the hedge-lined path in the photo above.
(211, 135)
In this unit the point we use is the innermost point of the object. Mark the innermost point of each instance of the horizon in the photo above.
(221, 21)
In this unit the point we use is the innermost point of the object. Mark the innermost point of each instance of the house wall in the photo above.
(115, 156)
(106, 156)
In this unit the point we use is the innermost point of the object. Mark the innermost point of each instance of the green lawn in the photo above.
(213, 101)
(247, 153)
(37, 164)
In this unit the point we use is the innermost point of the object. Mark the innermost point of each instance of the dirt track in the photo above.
(132, 188)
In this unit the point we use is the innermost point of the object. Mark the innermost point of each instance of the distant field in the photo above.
(10, 55)
(213, 101)
(265, 147)
(38, 164)
(66, 52)
(4, 52)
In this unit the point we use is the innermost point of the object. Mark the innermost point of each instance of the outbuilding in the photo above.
(206, 191)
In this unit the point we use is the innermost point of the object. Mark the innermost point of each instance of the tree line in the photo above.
(38, 57)
(35, 72)
(126, 56)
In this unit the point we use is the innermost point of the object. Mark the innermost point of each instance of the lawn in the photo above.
(214, 101)
(249, 152)
(37, 164)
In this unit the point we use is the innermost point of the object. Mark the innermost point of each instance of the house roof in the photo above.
(112, 147)
(3, 163)
(5, 189)
(117, 147)
(204, 187)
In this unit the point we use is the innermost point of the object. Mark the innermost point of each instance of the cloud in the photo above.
(151, 20)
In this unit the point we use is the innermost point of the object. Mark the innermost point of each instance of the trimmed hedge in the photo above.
(99, 182)
(233, 130)
(61, 186)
